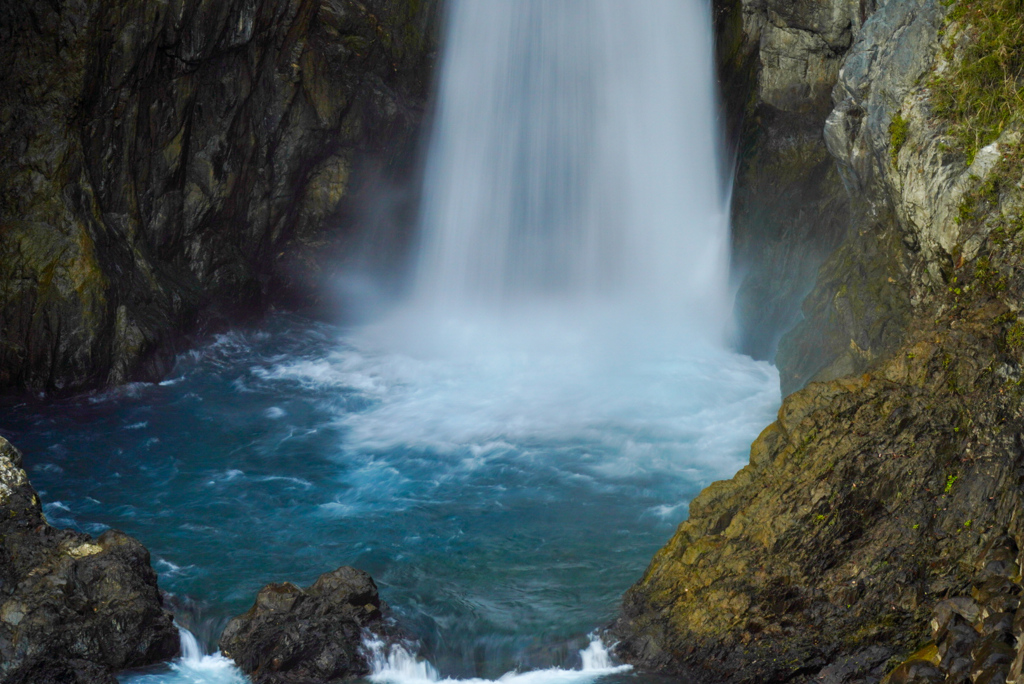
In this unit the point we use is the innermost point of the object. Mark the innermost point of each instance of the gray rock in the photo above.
(944, 610)
(881, 79)
(917, 672)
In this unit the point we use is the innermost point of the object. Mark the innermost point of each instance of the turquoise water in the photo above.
(503, 500)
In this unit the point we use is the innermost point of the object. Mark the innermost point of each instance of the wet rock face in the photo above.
(822, 202)
(72, 608)
(905, 201)
(160, 164)
(779, 62)
(307, 635)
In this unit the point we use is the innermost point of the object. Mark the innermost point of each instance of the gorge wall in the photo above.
(878, 521)
(789, 208)
(164, 165)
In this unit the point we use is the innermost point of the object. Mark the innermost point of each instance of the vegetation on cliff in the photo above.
(980, 89)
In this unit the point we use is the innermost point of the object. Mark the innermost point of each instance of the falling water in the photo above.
(193, 667)
(575, 161)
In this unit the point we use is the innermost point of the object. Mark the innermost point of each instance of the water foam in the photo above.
(397, 664)
(194, 666)
(642, 412)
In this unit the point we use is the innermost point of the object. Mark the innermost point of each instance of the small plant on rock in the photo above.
(898, 136)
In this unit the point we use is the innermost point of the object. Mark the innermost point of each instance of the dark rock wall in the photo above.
(159, 160)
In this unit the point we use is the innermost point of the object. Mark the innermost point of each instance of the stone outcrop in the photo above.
(862, 507)
(307, 635)
(845, 546)
(166, 165)
(72, 609)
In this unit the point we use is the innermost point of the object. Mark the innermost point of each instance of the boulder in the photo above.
(314, 634)
(72, 608)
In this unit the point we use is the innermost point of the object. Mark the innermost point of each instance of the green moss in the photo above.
(968, 209)
(1015, 337)
(898, 136)
(988, 278)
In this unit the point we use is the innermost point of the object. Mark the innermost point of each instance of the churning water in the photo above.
(505, 452)
(503, 504)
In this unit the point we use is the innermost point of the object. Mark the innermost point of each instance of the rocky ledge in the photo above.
(73, 609)
(864, 507)
(293, 635)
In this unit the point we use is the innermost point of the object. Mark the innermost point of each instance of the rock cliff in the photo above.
(891, 483)
(778, 63)
(162, 163)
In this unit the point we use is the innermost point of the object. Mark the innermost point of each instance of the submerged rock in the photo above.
(314, 634)
(73, 609)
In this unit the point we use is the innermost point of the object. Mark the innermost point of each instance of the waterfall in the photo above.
(191, 651)
(575, 163)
